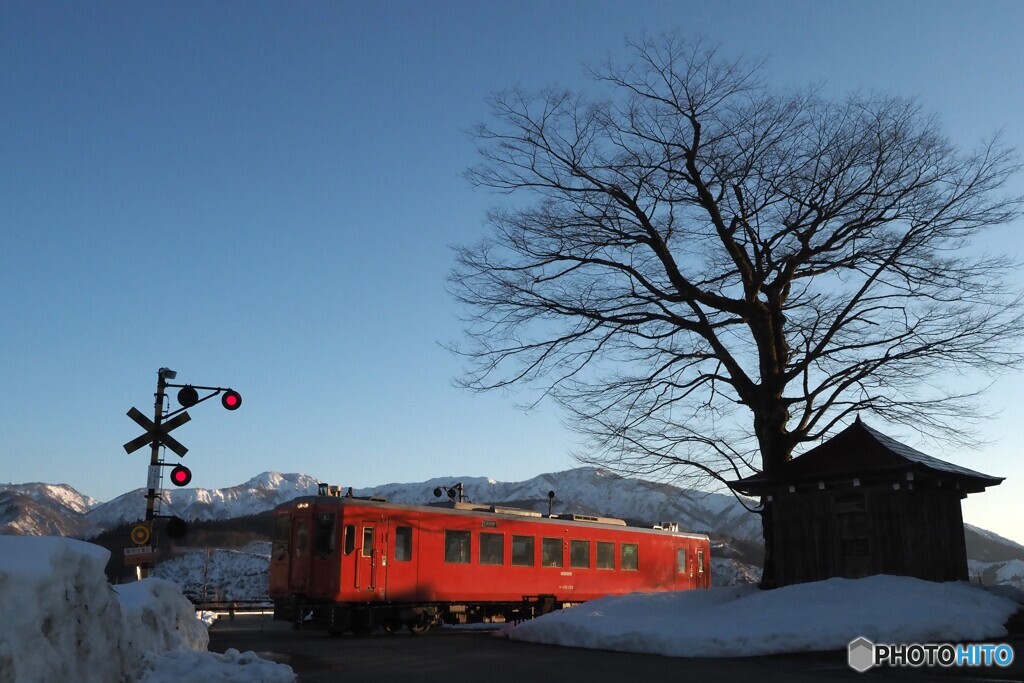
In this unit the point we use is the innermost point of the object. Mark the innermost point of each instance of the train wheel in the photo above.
(420, 629)
(339, 621)
(362, 623)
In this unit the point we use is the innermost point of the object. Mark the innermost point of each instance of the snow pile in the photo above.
(64, 622)
(745, 621)
(157, 618)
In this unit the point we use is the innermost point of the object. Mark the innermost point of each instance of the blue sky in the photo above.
(263, 196)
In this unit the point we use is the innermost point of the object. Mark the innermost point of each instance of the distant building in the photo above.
(863, 503)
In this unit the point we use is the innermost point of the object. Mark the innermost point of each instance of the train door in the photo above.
(400, 559)
(703, 578)
(302, 525)
(368, 556)
(685, 566)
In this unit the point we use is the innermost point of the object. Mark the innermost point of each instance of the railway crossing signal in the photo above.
(157, 434)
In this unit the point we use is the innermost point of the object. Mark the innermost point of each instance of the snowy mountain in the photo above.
(594, 491)
(585, 490)
(60, 495)
(44, 510)
(261, 493)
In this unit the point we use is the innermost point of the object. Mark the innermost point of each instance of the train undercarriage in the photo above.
(363, 618)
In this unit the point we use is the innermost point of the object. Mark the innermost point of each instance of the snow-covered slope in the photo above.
(215, 575)
(1008, 573)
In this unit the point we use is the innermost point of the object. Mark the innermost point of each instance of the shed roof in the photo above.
(860, 451)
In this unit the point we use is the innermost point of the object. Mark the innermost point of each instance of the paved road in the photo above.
(473, 655)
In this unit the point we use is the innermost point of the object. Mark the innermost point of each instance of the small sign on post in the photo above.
(153, 480)
(140, 555)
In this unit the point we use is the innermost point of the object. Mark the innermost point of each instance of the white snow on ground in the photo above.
(62, 622)
(745, 621)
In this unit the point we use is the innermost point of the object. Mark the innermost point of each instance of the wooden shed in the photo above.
(863, 503)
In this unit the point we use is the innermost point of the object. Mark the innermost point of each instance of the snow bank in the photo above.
(745, 621)
(62, 621)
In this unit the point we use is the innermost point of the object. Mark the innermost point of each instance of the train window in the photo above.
(680, 560)
(282, 533)
(605, 555)
(323, 540)
(367, 541)
(551, 552)
(522, 551)
(350, 539)
(301, 538)
(579, 554)
(456, 546)
(403, 543)
(492, 548)
(700, 561)
(628, 560)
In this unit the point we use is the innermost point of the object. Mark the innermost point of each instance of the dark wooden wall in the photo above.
(860, 532)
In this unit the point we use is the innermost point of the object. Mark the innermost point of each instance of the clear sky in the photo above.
(263, 195)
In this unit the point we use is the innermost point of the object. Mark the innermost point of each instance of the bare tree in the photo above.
(707, 272)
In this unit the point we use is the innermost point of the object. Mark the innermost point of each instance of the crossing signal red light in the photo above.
(231, 399)
(181, 475)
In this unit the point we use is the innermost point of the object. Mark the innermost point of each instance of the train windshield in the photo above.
(324, 541)
(282, 536)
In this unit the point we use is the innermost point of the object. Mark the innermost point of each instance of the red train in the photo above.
(344, 563)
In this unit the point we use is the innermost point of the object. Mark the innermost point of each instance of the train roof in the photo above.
(510, 513)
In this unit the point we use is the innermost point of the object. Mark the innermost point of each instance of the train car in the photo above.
(345, 563)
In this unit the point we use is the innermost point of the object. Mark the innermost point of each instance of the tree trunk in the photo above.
(769, 577)
(776, 450)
